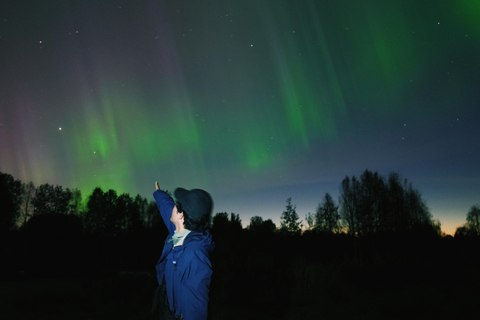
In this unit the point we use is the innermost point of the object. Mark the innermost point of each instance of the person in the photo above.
(184, 269)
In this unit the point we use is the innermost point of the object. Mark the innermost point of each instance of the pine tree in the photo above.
(289, 221)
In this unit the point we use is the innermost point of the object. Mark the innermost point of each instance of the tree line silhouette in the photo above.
(368, 205)
(375, 253)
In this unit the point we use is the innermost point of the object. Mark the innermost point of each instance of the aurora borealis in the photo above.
(254, 101)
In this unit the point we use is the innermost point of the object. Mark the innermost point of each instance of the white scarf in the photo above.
(178, 237)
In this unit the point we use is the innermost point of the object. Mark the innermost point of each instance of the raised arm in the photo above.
(165, 204)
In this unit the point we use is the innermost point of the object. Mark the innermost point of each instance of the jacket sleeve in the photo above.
(165, 205)
(196, 288)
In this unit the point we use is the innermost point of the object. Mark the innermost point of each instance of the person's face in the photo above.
(177, 217)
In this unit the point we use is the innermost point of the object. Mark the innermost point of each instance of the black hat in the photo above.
(195, 202)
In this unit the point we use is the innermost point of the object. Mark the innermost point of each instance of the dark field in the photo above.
(255, 277)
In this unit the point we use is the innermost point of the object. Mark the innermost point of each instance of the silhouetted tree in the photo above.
(27, 207)
(472, 227)
(255, 223)
(112, 215)
(220, 221)
(406, 208)
(436, 227)
(310, 220)
(128, 213)
(289, 221)
(235, 222)
(396, 216)
(93, 219)
(349, 202)
(11, 192)
(473, 219)
(327, 218)
(417, 210)
(102, 216)
(371, 202)
(141, 205)
(258, 225)
(51, 199)
(152, 217)
(75, 205)
(463, 231)
(268, 226)
(222, 225)
(124, 213)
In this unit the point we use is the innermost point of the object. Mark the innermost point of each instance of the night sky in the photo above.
(254, 101)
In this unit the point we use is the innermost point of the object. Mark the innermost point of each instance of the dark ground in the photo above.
(254, 278)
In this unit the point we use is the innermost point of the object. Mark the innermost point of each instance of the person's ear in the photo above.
(180, 215)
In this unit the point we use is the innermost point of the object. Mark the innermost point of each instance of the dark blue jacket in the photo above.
(187, 269)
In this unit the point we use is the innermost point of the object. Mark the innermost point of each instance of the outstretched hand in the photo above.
(156, 185)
